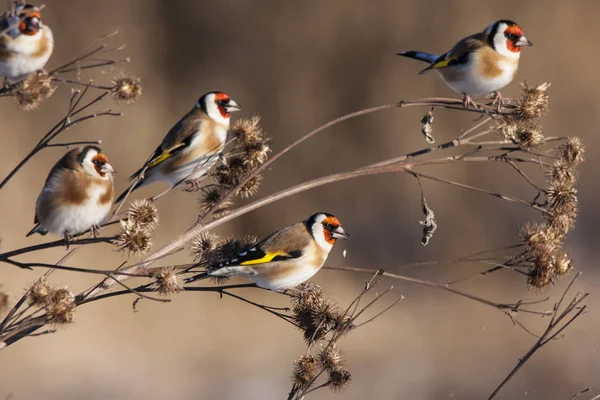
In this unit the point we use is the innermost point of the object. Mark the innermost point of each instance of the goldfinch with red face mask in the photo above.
(192, 146)
(25, 43)
(286, 258)
(479, 64)
(78, 194)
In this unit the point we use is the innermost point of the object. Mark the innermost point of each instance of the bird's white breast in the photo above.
(24, 55)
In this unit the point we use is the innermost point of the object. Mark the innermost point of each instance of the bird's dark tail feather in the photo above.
(199, 277)
(419, 55)
(36, 229)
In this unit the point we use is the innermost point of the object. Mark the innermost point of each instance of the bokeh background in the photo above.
(298, 65)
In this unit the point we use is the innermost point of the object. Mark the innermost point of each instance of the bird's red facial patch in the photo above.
(99, 160)
(513, 33)
(221, 99)
(30, 23)
(332, 222)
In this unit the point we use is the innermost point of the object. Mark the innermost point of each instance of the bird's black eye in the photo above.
(329, 227)
(221, 103)
(511, 37)
(96, 162)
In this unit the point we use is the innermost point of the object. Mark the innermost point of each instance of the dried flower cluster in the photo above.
(544, 241)
(166, 280)
(33, 90)
(324, 323)
(126, 90)
(427, 128)
(135, 235)
(143, 213)
(534, 101)
(59, 303)
(248, 153)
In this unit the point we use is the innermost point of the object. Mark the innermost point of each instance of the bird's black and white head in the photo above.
(24, 21)
(326, 229)
(507, 38)
(218, 106)
(94, 162)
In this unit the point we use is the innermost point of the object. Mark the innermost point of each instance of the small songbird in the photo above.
(78, 194)
(479, 64)
(286, 258)
(25, 43)
(192, 146)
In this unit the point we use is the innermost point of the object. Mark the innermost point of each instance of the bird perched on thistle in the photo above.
(286, 258)
(479, 64)
(78, 194)
(25, 43)
(191, 147)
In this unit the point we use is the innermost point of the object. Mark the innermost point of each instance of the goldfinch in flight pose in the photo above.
(25, 43)
(286, 258)
(479, 64)
(78, 194)
(192, 146)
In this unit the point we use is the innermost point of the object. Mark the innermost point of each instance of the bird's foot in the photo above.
(498, 99)
(468, 102)
(95, 229)
(68, 239)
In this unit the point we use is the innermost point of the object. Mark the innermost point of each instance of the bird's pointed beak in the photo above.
(107, 168)
(523, 41)
(340, 233)
(232, 106)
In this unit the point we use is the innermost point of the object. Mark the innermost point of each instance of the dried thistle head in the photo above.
(561, 197)
(210, 197)
(563, 264)
(542, 272)
(562, 172)
(330, 357)
(534, 101)
(538, 238)
(339, 379)
(560, 224)
(133, 239)
(305, 370)
(248, 131)
(256, 154)
(572, 151)
(60, 306)
(166, 280)
(38, 294)
(526, 134)
(251, 187)
(33, 90)
(126, 89)
(308, 294)
(143, 214)
(203, 245)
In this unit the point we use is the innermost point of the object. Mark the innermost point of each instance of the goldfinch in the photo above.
(25, 43)
(286, 258)
(192, 146)
(78, 194)
(479, 64)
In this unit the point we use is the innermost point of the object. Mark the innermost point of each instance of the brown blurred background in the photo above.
(298, 65)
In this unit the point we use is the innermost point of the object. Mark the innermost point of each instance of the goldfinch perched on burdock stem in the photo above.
(192, 146)
(78, 194)
(479, 64)
(25, 43)
(286, 258)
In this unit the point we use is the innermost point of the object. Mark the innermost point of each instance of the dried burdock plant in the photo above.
(133, 238)
(143, 214)
(167, 280)
(60, 306)
(534, 101)
(212, 197)
(39, 292)
(427, 128)
(32, 91)
(126, 89)
(203, 247)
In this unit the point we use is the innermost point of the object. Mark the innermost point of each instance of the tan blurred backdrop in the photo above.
(298, 65)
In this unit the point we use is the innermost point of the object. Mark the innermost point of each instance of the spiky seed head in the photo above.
(251, 187)
(166, 280)
(561, 224)
(536, 237)
(126, 89)
(143, 213)
(330, 357)
(133, 239)
(305, 370)
(561, 197)
(248, 131)
(563, 264)
(562, 172)
(255, 155)
(33, 90)
(203, 245)
(60, 306)
(210, 197)
(38, 294)
(541, 275)
(534, 101)
(572, 151)
(339, 378)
